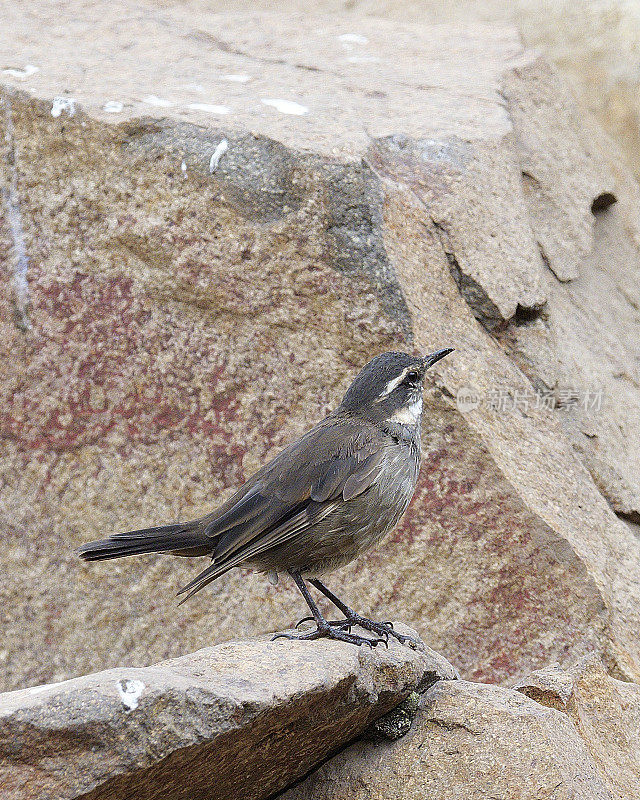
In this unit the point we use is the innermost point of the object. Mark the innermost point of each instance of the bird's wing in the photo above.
(332, 463)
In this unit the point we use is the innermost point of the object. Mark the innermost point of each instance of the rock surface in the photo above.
(165, 329)
(605, 711)
(239, 720)
(595, 45)
(468, 740)
(577, 735)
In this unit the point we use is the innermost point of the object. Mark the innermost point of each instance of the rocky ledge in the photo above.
(239, 720)
(323, 721)
(566, 735)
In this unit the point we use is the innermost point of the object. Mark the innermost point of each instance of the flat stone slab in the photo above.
(239, 720)
(308, 81)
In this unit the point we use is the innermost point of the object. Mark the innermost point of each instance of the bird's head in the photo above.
(389, 388)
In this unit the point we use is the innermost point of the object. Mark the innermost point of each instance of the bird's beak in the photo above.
(431, 359)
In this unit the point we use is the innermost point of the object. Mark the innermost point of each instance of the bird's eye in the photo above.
(412, 376)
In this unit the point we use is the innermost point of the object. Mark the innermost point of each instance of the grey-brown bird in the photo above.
(318, 504)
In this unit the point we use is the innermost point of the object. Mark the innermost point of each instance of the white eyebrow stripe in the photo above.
(393, 383)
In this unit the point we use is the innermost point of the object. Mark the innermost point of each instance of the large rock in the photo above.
(166, 329)
(468, 740)
(604, 710)
(593, 44)
(576, 735)
(240, 720)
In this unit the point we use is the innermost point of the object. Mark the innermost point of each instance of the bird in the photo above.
(317, 505)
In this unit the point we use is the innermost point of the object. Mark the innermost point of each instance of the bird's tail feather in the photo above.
(181, 539)
(203, 579)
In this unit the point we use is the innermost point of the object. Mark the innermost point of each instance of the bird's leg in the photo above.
(353, 618)
(323, 628)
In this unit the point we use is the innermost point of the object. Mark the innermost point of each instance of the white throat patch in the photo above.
(409, 415)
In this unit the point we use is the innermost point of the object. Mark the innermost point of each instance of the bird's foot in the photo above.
(340, 623)
(380, 628)
(333, 630)
(335, 623)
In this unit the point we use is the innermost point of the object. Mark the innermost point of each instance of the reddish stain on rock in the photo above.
(95, 362)
(465, 520)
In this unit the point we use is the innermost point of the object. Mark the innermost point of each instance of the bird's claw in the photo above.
(344, 624)
(382, 629)
(342, 629)
(332, 632)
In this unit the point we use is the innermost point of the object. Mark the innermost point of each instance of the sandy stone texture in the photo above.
(594, 45)
(434, 186)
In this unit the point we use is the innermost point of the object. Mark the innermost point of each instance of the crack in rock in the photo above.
(602, 202)
(481, 305)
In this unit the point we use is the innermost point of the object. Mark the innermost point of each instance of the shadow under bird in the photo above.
(318, 504)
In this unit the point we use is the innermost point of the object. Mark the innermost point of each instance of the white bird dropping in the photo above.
(130, 691)
(286, 106)
(217, 154)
